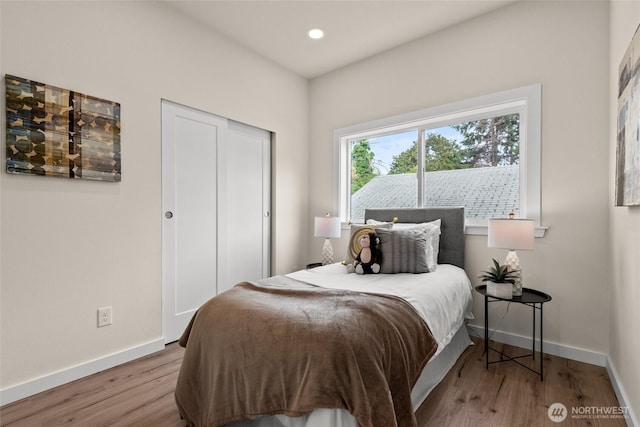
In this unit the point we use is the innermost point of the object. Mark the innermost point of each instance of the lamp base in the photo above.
(327, 252)
(513, 262)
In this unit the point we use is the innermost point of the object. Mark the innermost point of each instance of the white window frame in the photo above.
(525, 101)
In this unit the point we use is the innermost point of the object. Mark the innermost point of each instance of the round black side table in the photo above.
(530, 297)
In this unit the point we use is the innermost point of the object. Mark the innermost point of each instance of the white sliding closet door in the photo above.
(215, 200)
(244, 206)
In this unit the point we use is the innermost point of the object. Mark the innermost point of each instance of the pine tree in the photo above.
(491, 142)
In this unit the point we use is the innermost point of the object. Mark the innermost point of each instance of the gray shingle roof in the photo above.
(484, 192)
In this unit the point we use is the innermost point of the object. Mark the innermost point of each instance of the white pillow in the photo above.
(374, 222)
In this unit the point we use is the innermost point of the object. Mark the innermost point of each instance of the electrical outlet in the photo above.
(105, 316)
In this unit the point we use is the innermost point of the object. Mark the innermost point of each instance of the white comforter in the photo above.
(442, 298)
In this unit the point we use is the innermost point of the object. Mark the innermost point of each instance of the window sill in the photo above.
(481, 230)
(469, 229)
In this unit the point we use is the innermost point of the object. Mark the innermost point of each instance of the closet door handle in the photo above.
(168, 214)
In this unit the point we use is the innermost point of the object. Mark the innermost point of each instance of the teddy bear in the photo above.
(369, 259)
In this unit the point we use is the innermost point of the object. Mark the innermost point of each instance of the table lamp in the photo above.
(512, 234)
(327, 227)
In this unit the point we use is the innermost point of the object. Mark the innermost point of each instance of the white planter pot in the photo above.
(500, 290)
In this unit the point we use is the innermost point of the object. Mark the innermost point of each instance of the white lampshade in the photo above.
(513, 234)
(326, 226)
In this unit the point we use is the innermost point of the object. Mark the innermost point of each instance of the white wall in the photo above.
(70, 247)
(563, 46)
(624, 345)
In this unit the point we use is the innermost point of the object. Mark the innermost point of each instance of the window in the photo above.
(483, 154)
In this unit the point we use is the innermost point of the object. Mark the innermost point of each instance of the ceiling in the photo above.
(354, 29)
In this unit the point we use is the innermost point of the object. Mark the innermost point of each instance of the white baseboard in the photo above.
(573, 353)
(623, 400)
(29, 388)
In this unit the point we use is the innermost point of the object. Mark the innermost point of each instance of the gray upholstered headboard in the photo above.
(451, 228)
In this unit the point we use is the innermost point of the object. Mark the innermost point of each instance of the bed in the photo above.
(325, 348)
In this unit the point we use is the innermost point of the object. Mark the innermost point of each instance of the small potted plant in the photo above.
(500, 280)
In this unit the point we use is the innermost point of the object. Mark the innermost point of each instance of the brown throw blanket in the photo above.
(257, 350)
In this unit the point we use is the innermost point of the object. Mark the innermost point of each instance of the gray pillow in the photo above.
(403, 251)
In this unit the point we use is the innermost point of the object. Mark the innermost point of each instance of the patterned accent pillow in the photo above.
(358, 231)
(433, 229)
(403, 251)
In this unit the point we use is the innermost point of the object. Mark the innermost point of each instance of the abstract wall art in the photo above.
(62, 133)
(627, 179)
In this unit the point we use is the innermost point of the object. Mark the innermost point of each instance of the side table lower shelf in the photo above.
(531, 298)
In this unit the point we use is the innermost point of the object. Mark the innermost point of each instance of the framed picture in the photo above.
(58, 132)
(627, 179)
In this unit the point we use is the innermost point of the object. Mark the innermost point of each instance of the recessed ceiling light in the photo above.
(316, 33)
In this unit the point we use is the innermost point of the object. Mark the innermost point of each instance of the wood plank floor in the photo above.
(140, 393)
(509, 395)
